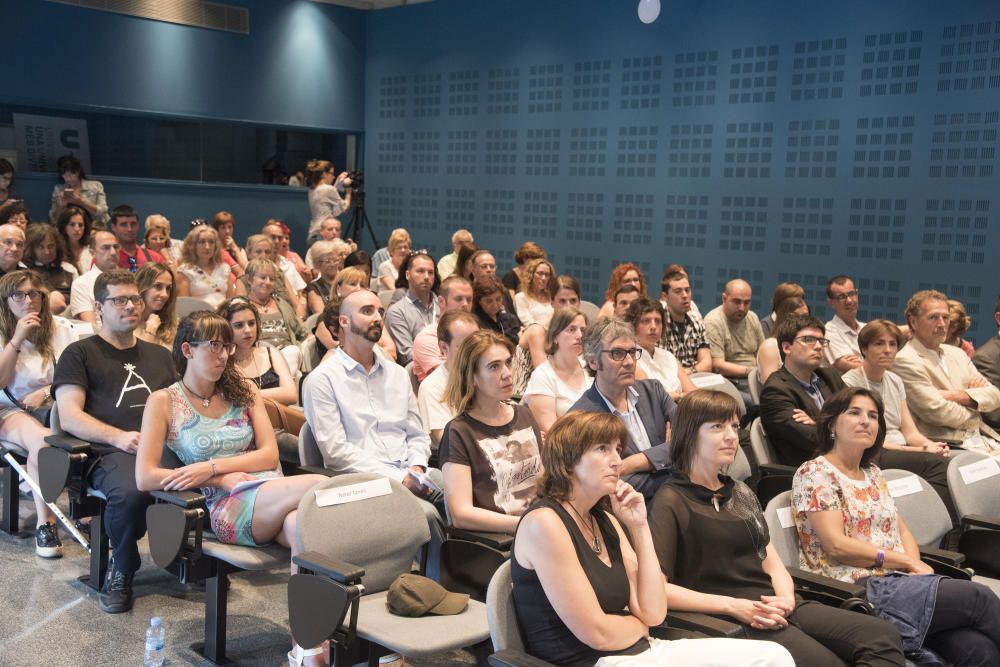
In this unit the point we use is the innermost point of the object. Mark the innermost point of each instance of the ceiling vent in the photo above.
(198, 13)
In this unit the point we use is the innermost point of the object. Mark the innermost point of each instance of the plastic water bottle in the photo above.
(154, 644)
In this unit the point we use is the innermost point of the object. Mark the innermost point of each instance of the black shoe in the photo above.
(47, 543)
(116, 594)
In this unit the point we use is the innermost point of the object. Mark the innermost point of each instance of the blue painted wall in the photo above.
(774, 140)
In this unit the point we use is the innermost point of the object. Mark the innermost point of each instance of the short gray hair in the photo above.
(601, 333)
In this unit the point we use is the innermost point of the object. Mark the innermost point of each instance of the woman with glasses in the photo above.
(157, 319)
(849, 529)
(74, 226)
(328, 258)
(399, 250)
(202, 273)
(215, 422)
(490, 450)
(32, 341)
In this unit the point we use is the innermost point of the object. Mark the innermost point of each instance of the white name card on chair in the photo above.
(904, 486)
(353, 492)
(785, 517)
(979, 470)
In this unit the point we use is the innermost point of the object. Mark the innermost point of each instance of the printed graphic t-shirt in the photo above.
(117, 382)
(504, 459)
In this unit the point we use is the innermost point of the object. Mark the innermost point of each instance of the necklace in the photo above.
(204, 400)
(596, 545)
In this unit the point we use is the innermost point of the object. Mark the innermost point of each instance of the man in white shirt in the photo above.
(842, 331)
(446, 265)
(454, 327)
(363, 414)
(104, 247)
(456, 294)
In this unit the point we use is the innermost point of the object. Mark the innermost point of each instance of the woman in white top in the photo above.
(324, 198)
(77, 190)
(32, 340)
(657, 363)
(399, 249)
(560, 380)
(879, 342)
(202, 273)
(538, 288)
(768, 356)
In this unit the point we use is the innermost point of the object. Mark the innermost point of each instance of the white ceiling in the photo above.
(372, 4)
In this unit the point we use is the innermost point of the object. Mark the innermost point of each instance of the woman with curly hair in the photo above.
(538, 290)
(202, 273)
(214, 420)
(157, 319)
(623, 274)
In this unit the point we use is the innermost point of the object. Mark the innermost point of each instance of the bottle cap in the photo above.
(154, 621)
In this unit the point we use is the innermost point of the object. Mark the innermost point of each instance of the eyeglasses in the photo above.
(812, 340)
(618, 354)
(122, 301)
(845, 296)
(20, 295)
(217, 346)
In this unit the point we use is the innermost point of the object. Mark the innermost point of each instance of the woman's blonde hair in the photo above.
(397, 238)
(189, 253)
(40, 337)
(565, 444)
(528, 275)
(255, 266)
(460, 393)
(351, 274)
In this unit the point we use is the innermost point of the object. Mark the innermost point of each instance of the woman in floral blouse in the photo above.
(849, 529)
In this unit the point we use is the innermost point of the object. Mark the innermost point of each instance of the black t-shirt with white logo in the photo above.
(117, 382)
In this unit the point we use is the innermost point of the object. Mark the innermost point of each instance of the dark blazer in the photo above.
(987, 361)
(794, 443)
(655, 408)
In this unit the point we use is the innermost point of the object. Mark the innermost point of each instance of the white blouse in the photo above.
(545, 382)
(33, 371)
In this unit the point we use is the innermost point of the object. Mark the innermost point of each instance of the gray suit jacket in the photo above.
(655, 409)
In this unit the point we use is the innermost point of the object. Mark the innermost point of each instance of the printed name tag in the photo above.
(353, 492)
(979, 470)
(904, 486)
(785, 517)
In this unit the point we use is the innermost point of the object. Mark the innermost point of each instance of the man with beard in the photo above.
(363, 415)
(417, 309)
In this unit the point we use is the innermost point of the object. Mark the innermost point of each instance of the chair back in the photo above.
(740, 467)
(781, 526)
(381, 534)
(188, 304)
(309, 454)
(414, 382)
(312, 321)
(500, 614)
(980, 496)
(385, 296)
(589, 311)
(753, 382)
(919, 505)
(759, 445)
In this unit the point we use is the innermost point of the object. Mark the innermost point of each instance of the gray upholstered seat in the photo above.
(410, 636)
(267, 557)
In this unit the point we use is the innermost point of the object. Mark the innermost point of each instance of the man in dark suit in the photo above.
(987, 360)
(793, 395)
(610, 349)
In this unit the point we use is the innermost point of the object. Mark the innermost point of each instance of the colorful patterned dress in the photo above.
(194, 437)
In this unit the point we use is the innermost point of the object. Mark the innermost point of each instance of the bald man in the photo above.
(363, 414)
(446, 265)
(733, 333)
(11, 248)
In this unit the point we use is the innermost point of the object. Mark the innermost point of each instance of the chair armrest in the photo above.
(511, 658)
(341, 571)
(316, 470)
(498, 541)
(709, 625)
(980, 521)
(835, 587)
(947, 569)
(68, 443)
(185, 499)
(776, 469)
(942, 556)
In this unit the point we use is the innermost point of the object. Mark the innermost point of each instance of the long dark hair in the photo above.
(203, 325)
(145, 278)
(837, 405)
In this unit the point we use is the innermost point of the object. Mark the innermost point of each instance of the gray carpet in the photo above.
(47, 617)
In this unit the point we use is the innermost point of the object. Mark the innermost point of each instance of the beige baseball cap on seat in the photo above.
(413, 595)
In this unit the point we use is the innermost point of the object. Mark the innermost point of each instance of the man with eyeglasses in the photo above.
(11, 248)
(843, 350)
(105, 248)
(734, 335)
(125, 226)
(794, 394)
(611, 351)
(101, 384)
(417, 309)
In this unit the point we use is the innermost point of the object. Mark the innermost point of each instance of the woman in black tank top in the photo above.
(260, 364)
(584, 592)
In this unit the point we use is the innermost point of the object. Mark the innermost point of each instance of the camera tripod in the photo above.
(359, 220)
